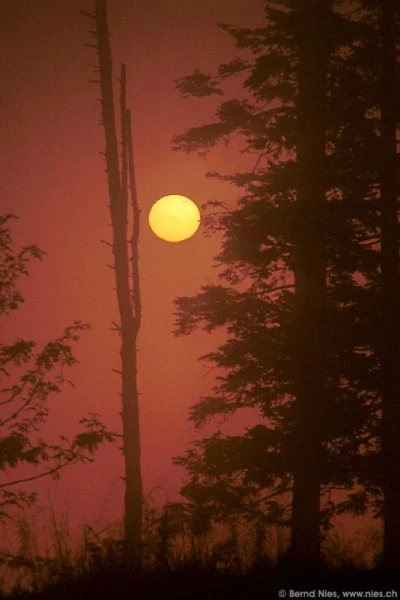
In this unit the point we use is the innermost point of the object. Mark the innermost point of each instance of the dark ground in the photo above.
(194, 582)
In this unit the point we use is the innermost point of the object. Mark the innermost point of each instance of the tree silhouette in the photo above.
(29, 378)
(389, 350)
(313, 21)
(296, 252)
(121, 186)
(375, 58)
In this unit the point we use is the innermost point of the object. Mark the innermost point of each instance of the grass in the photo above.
(234, 560)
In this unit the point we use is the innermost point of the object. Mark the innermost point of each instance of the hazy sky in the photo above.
(52, 176)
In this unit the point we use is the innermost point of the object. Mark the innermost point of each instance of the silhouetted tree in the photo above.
(375, 58)
(300, 240)
(29, 377)
(121, 186)
(313, 22)
(388, 16)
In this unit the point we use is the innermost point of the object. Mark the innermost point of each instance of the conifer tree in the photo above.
(389, 348)
(294, 250)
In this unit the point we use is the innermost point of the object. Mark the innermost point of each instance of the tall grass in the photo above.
(168, 546)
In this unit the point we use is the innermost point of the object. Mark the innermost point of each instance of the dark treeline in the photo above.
(310, 276)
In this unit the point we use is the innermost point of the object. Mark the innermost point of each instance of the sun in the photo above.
(174, 218)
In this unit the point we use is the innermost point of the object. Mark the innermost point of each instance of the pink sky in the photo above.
(52, 176)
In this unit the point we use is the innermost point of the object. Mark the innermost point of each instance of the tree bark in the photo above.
(390, 289)
(310, 282)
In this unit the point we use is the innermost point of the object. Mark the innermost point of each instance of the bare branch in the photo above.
(40, 475)
(136, 229)
(83, 12)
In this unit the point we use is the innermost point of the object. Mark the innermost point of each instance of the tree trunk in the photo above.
(390, 290)
(128, 305)
(310, 282)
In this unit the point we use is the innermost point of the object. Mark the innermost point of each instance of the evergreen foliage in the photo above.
(256, 301)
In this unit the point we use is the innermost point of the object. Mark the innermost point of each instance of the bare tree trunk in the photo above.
(390, 290)
(310, 283)
(128, 304)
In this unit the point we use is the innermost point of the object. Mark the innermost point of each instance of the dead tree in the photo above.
(122, 189)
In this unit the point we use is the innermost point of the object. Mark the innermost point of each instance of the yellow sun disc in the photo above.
(174, 218)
